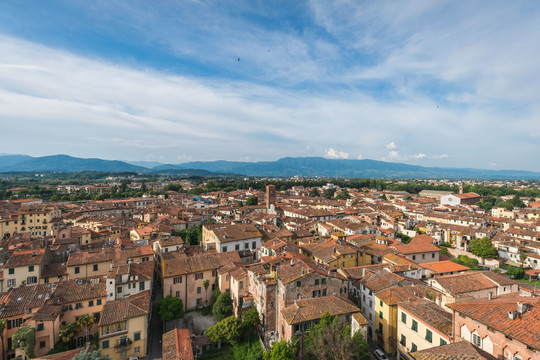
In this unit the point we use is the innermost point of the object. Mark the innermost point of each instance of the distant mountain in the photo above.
(285, 167)
(146, 164)
(64, 163)
(316, 166)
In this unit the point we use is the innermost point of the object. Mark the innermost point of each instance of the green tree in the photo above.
(25, 339)
(522, 257)
(248, 350)
(383, 197)
(214, 297)
(471, 263)
(252, 200)
(68, 332)
(2, 328)
(314, 192)
(170, 308)
(250, 320)
(343, 195)
(331, 339)
(281, 351)
(408, 198)
(227, 330)
(206, 284)
(86, 321)
(516, 273)
(240, 203)
(329, 193)
(484, 248)
(223, 306)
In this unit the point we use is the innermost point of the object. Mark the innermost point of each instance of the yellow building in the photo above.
(333, 253)
(24, 267)
(35, 220)
(386, 313)
(123, 327)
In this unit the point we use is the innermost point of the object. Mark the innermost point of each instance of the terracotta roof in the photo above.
(65, 355)
(469, 195)
(494, 313)
(25, 258)
(461, 350)
(315, 308)
(419, 244)
(380, 280)
(431, 314)
(198, 263)
(470, 281)
(228, 233)
(442, 267)
(177, 345)
(360, 319)
(120, 310)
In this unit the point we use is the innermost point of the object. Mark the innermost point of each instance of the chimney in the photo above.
(522, 308)
(490, 295)
(512, 315)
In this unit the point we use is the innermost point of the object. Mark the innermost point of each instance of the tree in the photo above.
(250, 320)
(331, 339)
(522, 257)
(471, 263)
(484, 248)
(68, 332)
(240, 203)
(252, 200)
(223, 307)
(281, 351)
(214, 297)
(206, 284)
(170, 308)
(516, 273)
(407, 198)
(314, 192)
(2, 328)
(25, 339)
(86, 320)
(343, 195)
(248, 350)
(329, 193)
(227, 330)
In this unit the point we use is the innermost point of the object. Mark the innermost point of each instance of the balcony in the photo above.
(122, 344)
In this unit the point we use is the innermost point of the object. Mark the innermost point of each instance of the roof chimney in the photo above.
(512, 315)
(490, 295)
(522, 308)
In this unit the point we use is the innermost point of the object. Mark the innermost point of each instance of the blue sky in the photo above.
(435, 83)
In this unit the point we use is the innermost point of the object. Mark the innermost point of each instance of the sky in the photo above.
(433, 83)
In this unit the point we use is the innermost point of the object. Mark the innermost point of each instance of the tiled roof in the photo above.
(467, 282)
(461, 350)
(396, 295)
(442, 267)
(198, 263)
(431, 314)
(177, 345)
(380, 280)
(494, 313)
(419, 244)
(120, 310)
(25, 258)
(228, 233)
(315, 308)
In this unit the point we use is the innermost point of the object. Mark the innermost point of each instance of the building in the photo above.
(461, 199)
(177, 345)
(270, 196)
(123, 329)
(237, 237)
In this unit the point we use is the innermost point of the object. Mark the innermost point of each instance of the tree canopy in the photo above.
(223, 307)
(331, 339)
(25, 338)
(484, 248)
(227, 330)
(281, 350)
(170, 308)
(252, 200)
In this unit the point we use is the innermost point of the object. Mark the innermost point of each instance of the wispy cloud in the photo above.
(335, 154)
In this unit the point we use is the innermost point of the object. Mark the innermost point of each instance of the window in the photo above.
(224, 249)
(314, 293)
(297, 328)
(137, 349)
(403, 340)
(95, 267)
(199, 301)
(42, 344)
(241, 284)
(40, 327)
(347, 318)
(141, 285)
(323, 281)
(146, 258)
(429, 335)
(316, 281)
(237, 247)
(91, 303)
(324, 292)
(381, 303)
(380, 329)
(98, 302)
(97, 317)
(77, 269)
(31, 280)
(403, 318)
(137, 336)
(380, 314)
(78, 306)
(423, 256)
(198, 290)
(443, 342)
(415, 325)
(11, 271)
(413, 347)
(476, 339)
(177, 280)
(198, 276)
(432, 255)
(414, 257)
(31, 268)
(105, 344)
(178, 294)
(119, 289)
(253, 244)
(298, 283)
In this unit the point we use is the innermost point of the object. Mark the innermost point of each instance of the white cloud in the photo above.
(335, 154)
(419, 156)
(442, 156)
(391, 145)
(360, 157)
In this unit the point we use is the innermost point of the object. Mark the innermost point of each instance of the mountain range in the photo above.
(285, 167)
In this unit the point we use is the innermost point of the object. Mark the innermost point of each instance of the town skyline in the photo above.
(449, 85)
